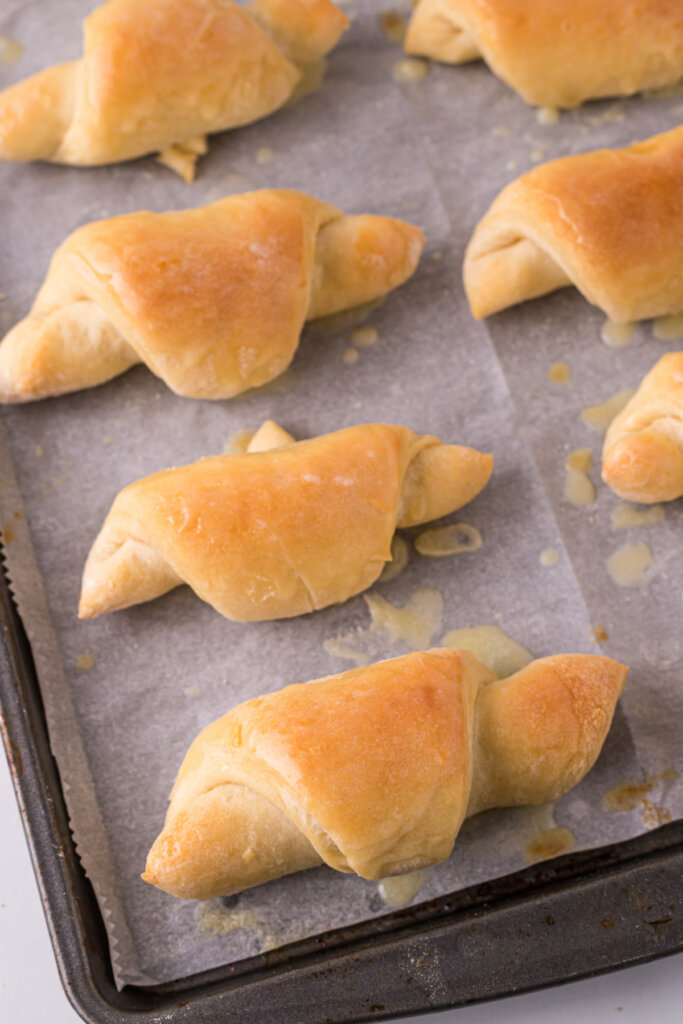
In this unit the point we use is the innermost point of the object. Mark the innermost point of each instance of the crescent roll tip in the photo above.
(318, 774)
(643, 450)
(35, 113)
(439, 31)
(361, 258)
(544, 727)
(645, 468)
(440, 480)
(505, 263)
(305, 30)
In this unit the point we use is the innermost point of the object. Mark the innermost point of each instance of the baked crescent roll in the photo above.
(642, 459)
(609, 222)
(163, 72)
(555, 53)
(373, 771)
(272, 534)
(212, 300)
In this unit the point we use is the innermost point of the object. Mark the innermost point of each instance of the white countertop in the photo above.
(31, 993)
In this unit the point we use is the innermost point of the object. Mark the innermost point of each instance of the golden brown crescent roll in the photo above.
(162, 72)
(280, 532)
(642, 459)
(373, 771)
(212, 300)
(555, 53)
(609, 222)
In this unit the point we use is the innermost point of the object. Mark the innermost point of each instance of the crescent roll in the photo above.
(373, 771)
(274, 533)
(212, 300)
(163, 72)
(608, 222)
(642, 459)
(555, 53)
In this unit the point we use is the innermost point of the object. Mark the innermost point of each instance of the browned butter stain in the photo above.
(552, 842)
(393, 25)
(599, 635)
(8, 534)
(10, 50)
(633, 794)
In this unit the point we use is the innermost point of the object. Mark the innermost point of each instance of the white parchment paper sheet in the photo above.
(434, 152)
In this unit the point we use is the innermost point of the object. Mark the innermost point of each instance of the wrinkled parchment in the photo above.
(125, 694)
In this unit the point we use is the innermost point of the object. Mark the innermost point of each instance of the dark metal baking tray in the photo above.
(558, 921)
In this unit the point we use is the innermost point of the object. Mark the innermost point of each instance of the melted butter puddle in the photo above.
(552, 842)
(548, 838)
(578, 489)
(346, 319)
(547, 115)
(415, 623)
(400, 890)
(363, 337)
(600, 416)
(217, 920)
(410, 69)
(490, 645)
(312, 78)
(238, 443)
(626, 516)
(616, 335)
(339, 648)
(549, 557)
(559, 373)
(633, 794)
(400, 556)
(628, 564)
(393, 25)
(442, 541)
(10, 50)
(668, 328)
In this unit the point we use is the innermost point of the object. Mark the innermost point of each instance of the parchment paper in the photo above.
(434, 152)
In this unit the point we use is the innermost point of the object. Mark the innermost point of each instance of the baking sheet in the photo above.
(434, 152)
